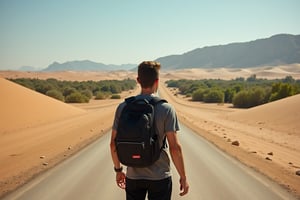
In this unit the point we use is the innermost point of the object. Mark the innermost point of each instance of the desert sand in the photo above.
(38, 132)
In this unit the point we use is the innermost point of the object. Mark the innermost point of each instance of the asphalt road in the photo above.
(212, 175)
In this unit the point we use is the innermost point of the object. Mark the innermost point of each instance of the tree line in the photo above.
(78, 91)
(241, 92)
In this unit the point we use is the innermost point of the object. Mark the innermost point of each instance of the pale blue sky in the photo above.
(39, 32)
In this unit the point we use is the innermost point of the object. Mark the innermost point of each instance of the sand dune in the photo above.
(23, 108)
(282, 115)
(268, 72)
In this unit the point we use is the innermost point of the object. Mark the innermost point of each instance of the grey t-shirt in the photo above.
(166, 121)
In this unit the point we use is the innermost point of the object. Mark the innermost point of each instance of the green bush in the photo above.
(68, 90)
(87, 93)
(198, 95)
(114, 88)
(229, 94)
(55, 94)
(248, 99)
(77, 97)
(43, 87)
(281, 90)
(240, 100)
(115, 96)
(214, 96)
(100, 96)
(256, 97)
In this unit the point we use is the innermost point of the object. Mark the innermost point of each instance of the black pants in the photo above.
(157, 190)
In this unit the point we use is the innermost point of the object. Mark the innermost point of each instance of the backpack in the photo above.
(136, 141)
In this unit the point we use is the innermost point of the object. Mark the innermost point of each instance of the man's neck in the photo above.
(147, 91)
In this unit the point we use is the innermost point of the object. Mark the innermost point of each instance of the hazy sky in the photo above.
(38, 32)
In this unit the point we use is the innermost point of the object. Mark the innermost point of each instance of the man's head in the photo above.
(148, 73)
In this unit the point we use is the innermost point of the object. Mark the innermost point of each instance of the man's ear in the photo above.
(156, 81)
(138, 80)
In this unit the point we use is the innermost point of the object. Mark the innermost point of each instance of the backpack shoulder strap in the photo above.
(155, 100)
(130, 99)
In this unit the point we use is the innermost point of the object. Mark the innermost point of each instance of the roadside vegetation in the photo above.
(241, 92)
(78, 92)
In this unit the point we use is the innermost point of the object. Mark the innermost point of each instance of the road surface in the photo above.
(89, 175)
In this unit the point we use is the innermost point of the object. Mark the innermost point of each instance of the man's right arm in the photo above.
(120, 175)
(113, 150)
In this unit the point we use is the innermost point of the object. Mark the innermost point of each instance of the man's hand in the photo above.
(184, 186)
(121, 179)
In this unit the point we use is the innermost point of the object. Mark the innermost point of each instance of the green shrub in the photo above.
(100, 96)
(114, 88)
(228, 95)
(87, 93)
(198, 95)
(214, 96)
(248, 99)
(115, 96)
(76, 97)
(240, 100)
(43, 87)
(55, 94)
(281, 90)
(256, 97)
(68, 90)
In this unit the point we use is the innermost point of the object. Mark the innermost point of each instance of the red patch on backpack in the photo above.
(136, 156)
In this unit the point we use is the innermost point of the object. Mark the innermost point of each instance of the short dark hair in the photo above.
(148, 73)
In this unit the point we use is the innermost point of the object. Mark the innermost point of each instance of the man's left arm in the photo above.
(177, 158)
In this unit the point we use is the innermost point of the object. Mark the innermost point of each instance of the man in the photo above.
(155, 179)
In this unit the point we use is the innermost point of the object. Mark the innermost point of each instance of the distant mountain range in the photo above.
(276, 50)
(86, 65)
(28, 68)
